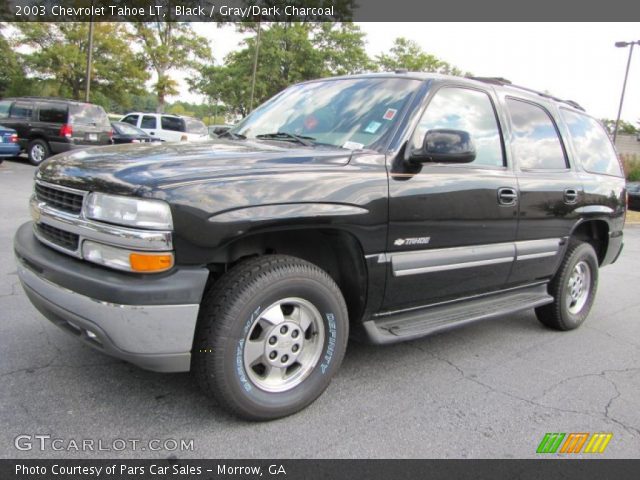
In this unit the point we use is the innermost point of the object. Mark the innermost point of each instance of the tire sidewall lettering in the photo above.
(240, 369)
(331, 342)
(322, 367)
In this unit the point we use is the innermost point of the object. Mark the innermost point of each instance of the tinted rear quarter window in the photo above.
(173, 123)
(86, 114)
(5, 106)
(52, 113)
(195, 126)
(591, 143)
(535, 142)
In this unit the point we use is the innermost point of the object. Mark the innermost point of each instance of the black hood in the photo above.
(126, 168)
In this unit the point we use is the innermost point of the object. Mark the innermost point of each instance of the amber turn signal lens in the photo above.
(144, 262)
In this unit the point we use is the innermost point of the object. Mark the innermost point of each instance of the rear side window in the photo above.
(21, 110)
(592, 144)
(52, 113)
(196, 126)
(468, 110)
(535, 141)
(173, 123)
(4, 109)
(148, 121)
(86, 114)
(131, 120)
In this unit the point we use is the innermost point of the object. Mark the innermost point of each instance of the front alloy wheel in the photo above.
(284, 344)
(271, 334)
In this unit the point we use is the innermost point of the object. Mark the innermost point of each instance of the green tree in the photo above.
(170, 46)
(57, 58)
(12, 71)
(288, 53)
(408, 54)
(623, 127)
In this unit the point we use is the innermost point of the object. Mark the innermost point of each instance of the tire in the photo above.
(572, 301)
(279, 299)
(38, 151)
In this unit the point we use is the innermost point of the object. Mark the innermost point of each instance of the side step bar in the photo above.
(412, 324)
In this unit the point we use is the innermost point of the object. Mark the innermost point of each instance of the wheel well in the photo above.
(336, 252)
(596, 233)
(37, 136)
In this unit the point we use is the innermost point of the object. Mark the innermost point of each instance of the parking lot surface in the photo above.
(490, 389)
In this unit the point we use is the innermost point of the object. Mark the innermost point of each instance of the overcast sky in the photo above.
(577, 61)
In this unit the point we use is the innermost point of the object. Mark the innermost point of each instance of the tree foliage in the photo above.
(624, 126)
(408, 54)
(58, 53)
(167, 47)
(288, 53)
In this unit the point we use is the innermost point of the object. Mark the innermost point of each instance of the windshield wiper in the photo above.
(302, 139)
(233, 136)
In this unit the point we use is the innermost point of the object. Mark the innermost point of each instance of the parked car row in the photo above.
(169, 128)
(9, 146)
(44, 126)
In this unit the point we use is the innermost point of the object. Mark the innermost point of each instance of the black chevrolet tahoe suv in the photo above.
(384, 207)
(50, 125)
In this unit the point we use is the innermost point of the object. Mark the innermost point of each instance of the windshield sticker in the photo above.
(373, 127)
(353, 145)
(390, 114)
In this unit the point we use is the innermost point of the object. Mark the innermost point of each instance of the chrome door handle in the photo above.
(507, 196)
(570, 195)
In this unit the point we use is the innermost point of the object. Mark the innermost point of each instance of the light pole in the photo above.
(87, 80)
(624, 85)
(255, 67)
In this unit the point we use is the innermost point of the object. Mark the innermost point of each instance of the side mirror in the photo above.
(445, 146)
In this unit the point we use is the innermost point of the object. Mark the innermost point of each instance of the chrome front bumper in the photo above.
(155, 337)
(148, 320)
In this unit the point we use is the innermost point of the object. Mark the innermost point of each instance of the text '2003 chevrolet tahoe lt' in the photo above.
(381, 206)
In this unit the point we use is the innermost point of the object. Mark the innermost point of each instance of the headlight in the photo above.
(127, 260)
(135, 212)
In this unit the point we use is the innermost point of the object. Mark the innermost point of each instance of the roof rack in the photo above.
(60, 99)
(506, 83)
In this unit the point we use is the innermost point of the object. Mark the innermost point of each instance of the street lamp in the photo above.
(624, 85)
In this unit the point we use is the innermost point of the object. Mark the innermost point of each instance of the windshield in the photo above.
(87, 114)
(350, 113)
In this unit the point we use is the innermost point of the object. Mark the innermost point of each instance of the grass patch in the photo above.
(631, 165)
(633, 217)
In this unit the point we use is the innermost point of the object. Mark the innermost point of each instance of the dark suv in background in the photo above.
(47, 126)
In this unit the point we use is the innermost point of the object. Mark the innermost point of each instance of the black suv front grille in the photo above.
(60, 199)
(66, 240)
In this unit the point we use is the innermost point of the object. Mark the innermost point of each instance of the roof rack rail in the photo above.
(39, 97)
(506, 83)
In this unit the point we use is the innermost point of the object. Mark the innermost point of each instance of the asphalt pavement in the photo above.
(487, 390)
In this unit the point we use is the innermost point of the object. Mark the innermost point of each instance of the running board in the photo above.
(412, 324)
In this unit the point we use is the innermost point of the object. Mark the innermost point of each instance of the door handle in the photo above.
(570, 195)
(507, 196)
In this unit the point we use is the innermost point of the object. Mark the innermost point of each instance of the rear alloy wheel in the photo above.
(271, 334)
(573, 289)
(38, 151)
